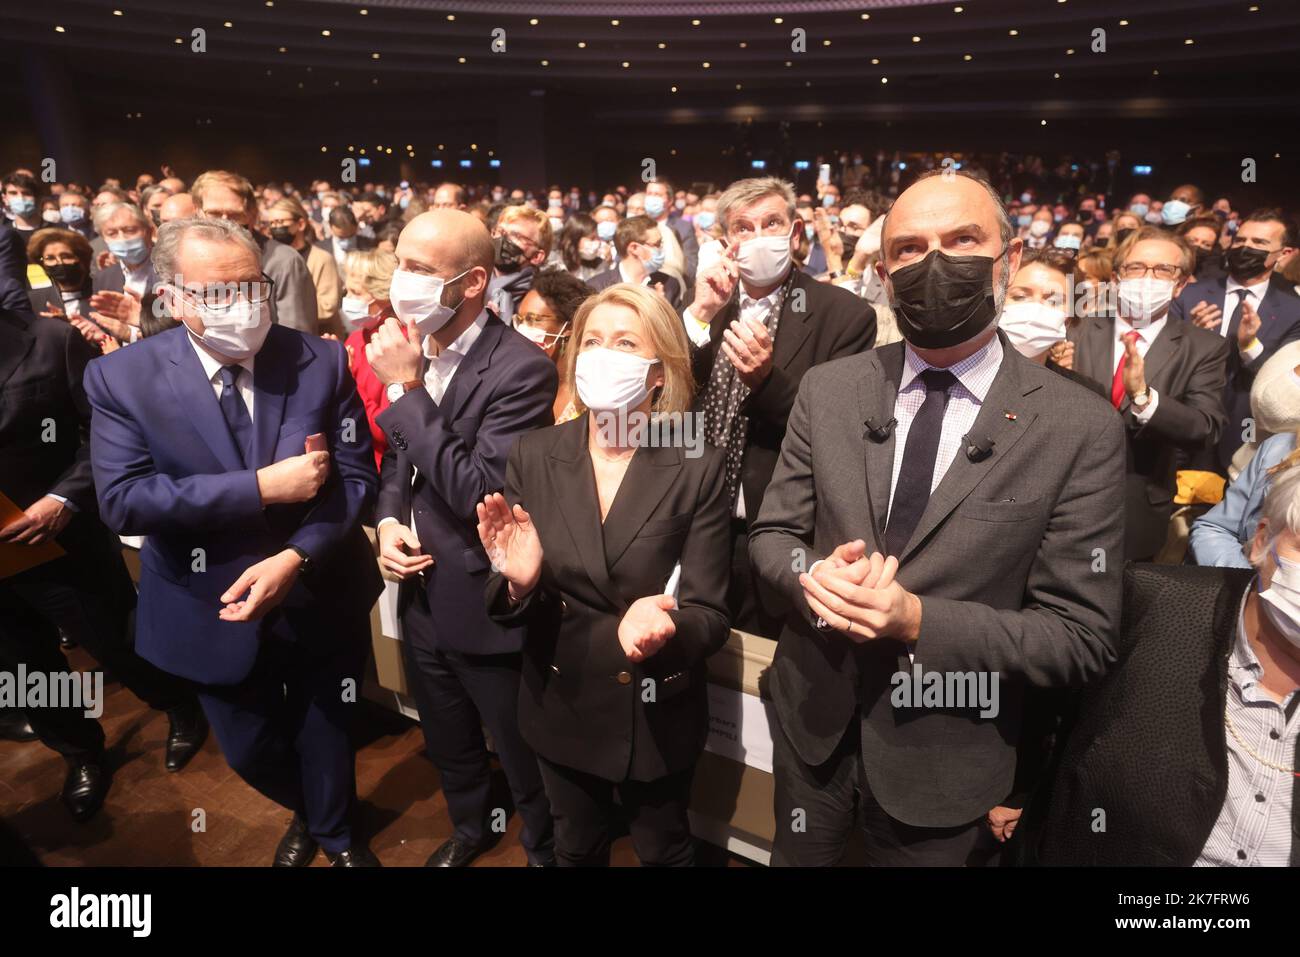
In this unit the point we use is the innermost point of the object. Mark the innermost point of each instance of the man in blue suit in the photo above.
(240, 449)
(1256, 311)
(463, 386)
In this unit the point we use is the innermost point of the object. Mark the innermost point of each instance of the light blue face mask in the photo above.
(404, 202)
(705, 219)
(810, 230)
(656, 260)
(130, 251)
(1174, 212)
(606, 229)
(22, 206)
(654, 206)
(1024, 219)
(1067, 242)
(71, 214)
(829, 200)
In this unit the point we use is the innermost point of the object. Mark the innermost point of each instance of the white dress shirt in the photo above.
(622, 274)
(243, 379)
(1254, 825)
(437, 377)
(443, 365)
(975, 375)
(1145, 337)
(756, 310)
(139, 280)
(1255, 294)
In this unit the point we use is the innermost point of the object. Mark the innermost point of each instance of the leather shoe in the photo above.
(358, 856)
(187, 729)
(548, 862)
(297, 847)
(14, 726)
(84, 789)
(453, 853)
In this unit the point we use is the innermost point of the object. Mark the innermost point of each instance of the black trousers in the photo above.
(584, 810)
(285, 729)
(88, 594)
(457, 695)
(817, 807)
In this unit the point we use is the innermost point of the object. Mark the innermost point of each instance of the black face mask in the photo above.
(509, 257)
(1245, 262)
(944, 300)
(1123, 234)
(65, 274)
(156, 216)
(850, 242)
(282, 234)
(1085, 216)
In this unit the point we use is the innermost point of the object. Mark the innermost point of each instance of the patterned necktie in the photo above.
(1117, 383)
(912, 493)
(236, 413)
(724, 427)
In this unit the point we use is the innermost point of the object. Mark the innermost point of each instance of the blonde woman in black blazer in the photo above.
(590, 534)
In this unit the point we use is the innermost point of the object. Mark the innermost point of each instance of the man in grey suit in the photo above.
(945, 525)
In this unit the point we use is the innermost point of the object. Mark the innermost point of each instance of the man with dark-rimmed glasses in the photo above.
(240, 449)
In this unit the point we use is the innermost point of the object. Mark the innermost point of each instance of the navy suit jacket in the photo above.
(1279, 323)
(503, 387)
(166, 467)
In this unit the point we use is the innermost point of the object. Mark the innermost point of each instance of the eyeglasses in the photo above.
(53, 260)
(221, 296)
(530, 318)
(1160, 271)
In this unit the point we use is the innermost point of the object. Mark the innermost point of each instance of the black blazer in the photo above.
(1279, 323)
(505, 385)
(1149, 744)
(1187, 367)
(611, 276)
(833, 323)
(581, 702)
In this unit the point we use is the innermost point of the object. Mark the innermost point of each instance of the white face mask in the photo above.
(1039, 227)
(1141, 301)
(609, 380)
(237, 333)
(356, 313)
(1032, 327)
(1281, 599)
(419, 298)
(589, 249)
(764, 259)
(540, 337)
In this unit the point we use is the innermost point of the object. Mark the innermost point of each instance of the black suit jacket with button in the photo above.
(1187, 367)
(819, 322)
(455, 450)
(582, 703)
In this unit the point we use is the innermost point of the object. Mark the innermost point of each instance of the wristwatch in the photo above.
(1142, 398)
(398, 389)
(306, 566)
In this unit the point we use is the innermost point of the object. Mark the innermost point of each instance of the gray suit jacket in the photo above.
(295, 293)
(1017, 562)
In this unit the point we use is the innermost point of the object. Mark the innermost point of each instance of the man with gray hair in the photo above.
(942, 504)
(759, 323)
(240, 449)
(128, 235)
(1187, 752)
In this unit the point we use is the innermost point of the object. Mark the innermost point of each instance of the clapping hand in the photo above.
(647, 626)
(510, 540)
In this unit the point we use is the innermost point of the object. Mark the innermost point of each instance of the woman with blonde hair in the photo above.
(611, 547)
(367, 277)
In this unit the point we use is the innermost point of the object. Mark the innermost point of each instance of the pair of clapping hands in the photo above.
(855, 593)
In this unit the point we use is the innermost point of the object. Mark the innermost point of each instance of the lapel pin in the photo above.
(1009, 416)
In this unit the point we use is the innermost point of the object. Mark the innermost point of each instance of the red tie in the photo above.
(1117, 384)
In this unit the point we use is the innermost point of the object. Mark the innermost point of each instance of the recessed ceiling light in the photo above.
(117, 13)
(884, 79)
(374, 56)
(916, 39)
(284, 49)
(967, 57)
(1155, 72)
(1013, 33)
(1056, 76)
(737, 86)
(1123, 23)
(60, 30)
(363, 11)
(178, 40)
(546, 63)
(826, 43)
(696, 23)
(613, 23)
(663, 46)
(778, 20)
(743, 44)
(323, 150)
(582, 45)
(626, 64)
(866, 16)
(324, 33)
(532, 22)
(227, 24)
(705, 64)
(875, 61)
(1188, 42)
(673, 89)
(1042, 122)
(958, 9)
(1070, 52)
(451, 16)
(460, 59)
